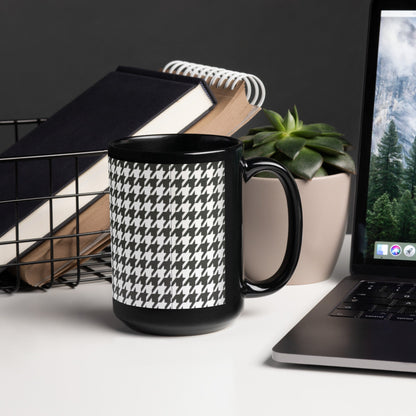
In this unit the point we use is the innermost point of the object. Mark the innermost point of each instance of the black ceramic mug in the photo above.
(176, 218)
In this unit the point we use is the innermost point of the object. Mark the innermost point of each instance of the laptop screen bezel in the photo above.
(359, 263)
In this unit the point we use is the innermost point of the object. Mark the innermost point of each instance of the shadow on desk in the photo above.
(103, 317)
(73, 310)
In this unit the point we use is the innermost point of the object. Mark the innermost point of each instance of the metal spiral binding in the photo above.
(221, 78)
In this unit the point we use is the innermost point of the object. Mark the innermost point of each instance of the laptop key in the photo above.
(345, 313)
(408, 311)
(401, 317)
(369, 300)
(354, 306)
(366, 287)
(374, 315)
(387, 309)
(407, 303)
(385, 290)
(406, 288)
(407, 296)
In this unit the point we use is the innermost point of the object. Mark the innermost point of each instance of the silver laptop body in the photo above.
(369, 319)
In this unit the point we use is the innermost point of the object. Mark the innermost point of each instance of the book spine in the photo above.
(171, 77)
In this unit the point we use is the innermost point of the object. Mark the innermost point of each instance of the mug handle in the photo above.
(250, 168)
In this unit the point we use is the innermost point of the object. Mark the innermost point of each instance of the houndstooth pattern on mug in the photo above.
(168, 234)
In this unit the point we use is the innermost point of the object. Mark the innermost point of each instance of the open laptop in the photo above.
(369, 319)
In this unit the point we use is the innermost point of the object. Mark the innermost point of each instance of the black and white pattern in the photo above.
(168, 234)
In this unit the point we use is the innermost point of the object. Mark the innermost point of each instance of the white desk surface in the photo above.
(64, 353)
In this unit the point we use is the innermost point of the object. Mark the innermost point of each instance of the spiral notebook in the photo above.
(239, 96)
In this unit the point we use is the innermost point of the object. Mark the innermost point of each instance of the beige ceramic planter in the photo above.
(325, 212)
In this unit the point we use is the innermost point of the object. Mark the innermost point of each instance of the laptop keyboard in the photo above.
(376, 300)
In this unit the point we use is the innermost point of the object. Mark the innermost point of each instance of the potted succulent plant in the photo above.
(316, 156)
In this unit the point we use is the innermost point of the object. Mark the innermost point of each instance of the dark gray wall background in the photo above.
(308, 52)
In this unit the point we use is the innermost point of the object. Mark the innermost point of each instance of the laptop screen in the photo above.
(391, 214)
(387, 221)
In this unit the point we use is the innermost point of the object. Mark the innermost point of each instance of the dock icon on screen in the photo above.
(382, 249)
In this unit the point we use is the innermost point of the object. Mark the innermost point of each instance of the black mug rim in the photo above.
(171, 148)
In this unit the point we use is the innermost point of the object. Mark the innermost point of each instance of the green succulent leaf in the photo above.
(332, 134)
(296, 117)
(320, 172)
(305, 132)
(266, 136)
(290, 146)
(265, 174)
(265, 150)
(326, 144)
(322, 127)
(247, 140)
(306, 164)
(275, 118)
(342, 162)
(289, 121)
(255, 130)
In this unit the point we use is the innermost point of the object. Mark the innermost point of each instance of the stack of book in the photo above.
(54, 206)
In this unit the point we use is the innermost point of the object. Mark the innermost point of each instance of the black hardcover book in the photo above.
(125, 102)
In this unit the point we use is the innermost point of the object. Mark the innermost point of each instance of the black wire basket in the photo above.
(82, 267)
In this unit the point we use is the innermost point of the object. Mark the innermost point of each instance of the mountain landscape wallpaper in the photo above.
(395, 97)
(391, 208)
